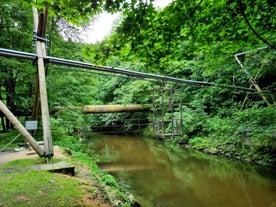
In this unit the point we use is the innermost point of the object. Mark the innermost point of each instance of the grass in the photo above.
(21, 186)
(5, 138)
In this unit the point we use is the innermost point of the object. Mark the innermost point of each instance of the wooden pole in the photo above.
(247, 94)
(252, 81)
(47, 135)
(41, 55)
(21, 129)
(35, 15)
(260, 91)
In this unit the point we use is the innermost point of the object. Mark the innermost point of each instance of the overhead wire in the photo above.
(97, 73)
(176, 84)
(60, 61)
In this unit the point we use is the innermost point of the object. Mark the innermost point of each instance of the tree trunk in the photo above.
(2, 117)
(10, 84)
(3, 124)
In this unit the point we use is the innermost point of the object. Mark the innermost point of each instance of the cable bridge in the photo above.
(40, 58)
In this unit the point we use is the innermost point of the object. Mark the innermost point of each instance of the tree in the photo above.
(85, 9)
(16, 76)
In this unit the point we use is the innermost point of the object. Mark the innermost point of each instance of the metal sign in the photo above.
(31, 125)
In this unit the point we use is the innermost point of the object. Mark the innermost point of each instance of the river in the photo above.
(166, 177)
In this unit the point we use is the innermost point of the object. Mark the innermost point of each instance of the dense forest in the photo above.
(193, 40)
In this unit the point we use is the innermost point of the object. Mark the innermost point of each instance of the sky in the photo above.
(102, 26)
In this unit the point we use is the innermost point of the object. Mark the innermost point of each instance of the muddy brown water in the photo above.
(163, 177)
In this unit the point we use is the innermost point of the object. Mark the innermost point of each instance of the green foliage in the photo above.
(85, 9)
(16, 77)
(137, 91)
(248, 134)
(193, 121)
(7, 137)
(63, 137)
(15, 23)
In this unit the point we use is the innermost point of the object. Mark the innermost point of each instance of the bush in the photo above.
(249, 134)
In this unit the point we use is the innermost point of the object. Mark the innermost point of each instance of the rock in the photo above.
(31, 153)
(200, 148)
(131, 197)
(211, 151)
(67, 151)
(236, 154)
(187, 146)
(17, 149)
(227, 154)
(247, 160)
(117, 202)
(135, 204)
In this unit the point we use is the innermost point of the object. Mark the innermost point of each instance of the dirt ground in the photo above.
(24, 153)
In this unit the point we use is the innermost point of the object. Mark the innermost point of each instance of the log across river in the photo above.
(159, 176)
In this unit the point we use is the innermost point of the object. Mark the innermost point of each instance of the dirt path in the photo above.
(24, 153)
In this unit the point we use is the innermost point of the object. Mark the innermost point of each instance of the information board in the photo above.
(31, 125)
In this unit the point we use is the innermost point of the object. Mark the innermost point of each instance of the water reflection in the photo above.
(159, 176)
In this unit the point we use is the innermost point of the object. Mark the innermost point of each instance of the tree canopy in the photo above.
(82, 11)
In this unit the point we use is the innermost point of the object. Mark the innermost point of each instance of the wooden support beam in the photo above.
(247, 94)
(41, 55)
(47, 135)
(35, 111)
(252, 81)
(21, 129)
(260, 91)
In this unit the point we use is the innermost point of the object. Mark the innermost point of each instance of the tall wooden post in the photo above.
(40, 29)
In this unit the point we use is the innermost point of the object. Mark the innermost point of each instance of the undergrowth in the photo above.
(248, 135)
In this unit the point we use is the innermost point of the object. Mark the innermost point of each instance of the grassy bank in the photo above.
(20, 185)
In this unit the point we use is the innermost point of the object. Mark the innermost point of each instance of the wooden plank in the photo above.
(60, 167)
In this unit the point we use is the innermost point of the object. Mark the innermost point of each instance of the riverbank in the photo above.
(21, 185)
(248, 135)
(242, 153)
